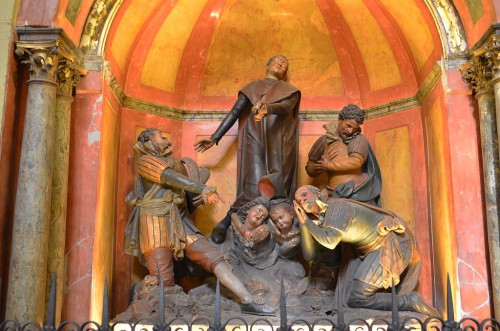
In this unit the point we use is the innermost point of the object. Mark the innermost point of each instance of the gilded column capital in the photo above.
(39, 49)
(41, 59)
(479, 71)
(68, 76)
(484, 68)
(492, 53)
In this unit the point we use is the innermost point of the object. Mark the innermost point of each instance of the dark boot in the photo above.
(364, 295)
(229, 280)
(219, 231)
(160, 264)
(256, 309)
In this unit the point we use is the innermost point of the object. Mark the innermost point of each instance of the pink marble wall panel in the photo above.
(466, 175)
(12, 131)
(35, 12)
(86, 124)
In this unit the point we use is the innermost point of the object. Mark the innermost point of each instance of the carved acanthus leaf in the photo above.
(68, 76)
(492, 52)
(478, 72)
(483, 66)
(40, 61)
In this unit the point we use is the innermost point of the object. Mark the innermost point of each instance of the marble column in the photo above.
(68, 75)
(38, 50)
(479, 71)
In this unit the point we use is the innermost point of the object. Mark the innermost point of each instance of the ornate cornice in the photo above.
(219, 114)
(392, 107)
(48, 53)
(113, 83)
(492, 30)
(304, 115)
(38, 49)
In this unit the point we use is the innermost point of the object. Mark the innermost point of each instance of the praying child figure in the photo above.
(285, 228)
(252, 231)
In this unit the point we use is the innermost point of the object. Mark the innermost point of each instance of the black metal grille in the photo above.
(433, 323)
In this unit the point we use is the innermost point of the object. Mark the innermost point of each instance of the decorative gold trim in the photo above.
(305, 115)
(113, 83)
(430, 81)
(392, 107)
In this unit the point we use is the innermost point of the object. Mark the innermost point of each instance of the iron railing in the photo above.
(434, 323)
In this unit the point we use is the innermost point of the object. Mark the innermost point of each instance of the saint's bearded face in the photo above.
(306, 198)
(347, 128)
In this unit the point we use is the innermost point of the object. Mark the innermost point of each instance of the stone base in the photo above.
(314, 304)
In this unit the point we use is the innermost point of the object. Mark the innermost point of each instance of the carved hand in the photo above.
(210, 195)
(203, 145)
(261, 113)
(301, 214)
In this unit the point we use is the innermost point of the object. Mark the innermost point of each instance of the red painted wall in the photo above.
(466, 175)
(86, 124)
(36, 12)
(15, 107)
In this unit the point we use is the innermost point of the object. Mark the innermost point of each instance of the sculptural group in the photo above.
(254, 248)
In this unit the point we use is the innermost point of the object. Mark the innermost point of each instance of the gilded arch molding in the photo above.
(449, 25)
(97, 25)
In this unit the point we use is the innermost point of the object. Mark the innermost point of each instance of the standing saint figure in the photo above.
(267, 139)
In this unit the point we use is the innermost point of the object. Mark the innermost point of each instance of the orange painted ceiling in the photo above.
(197, 54)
